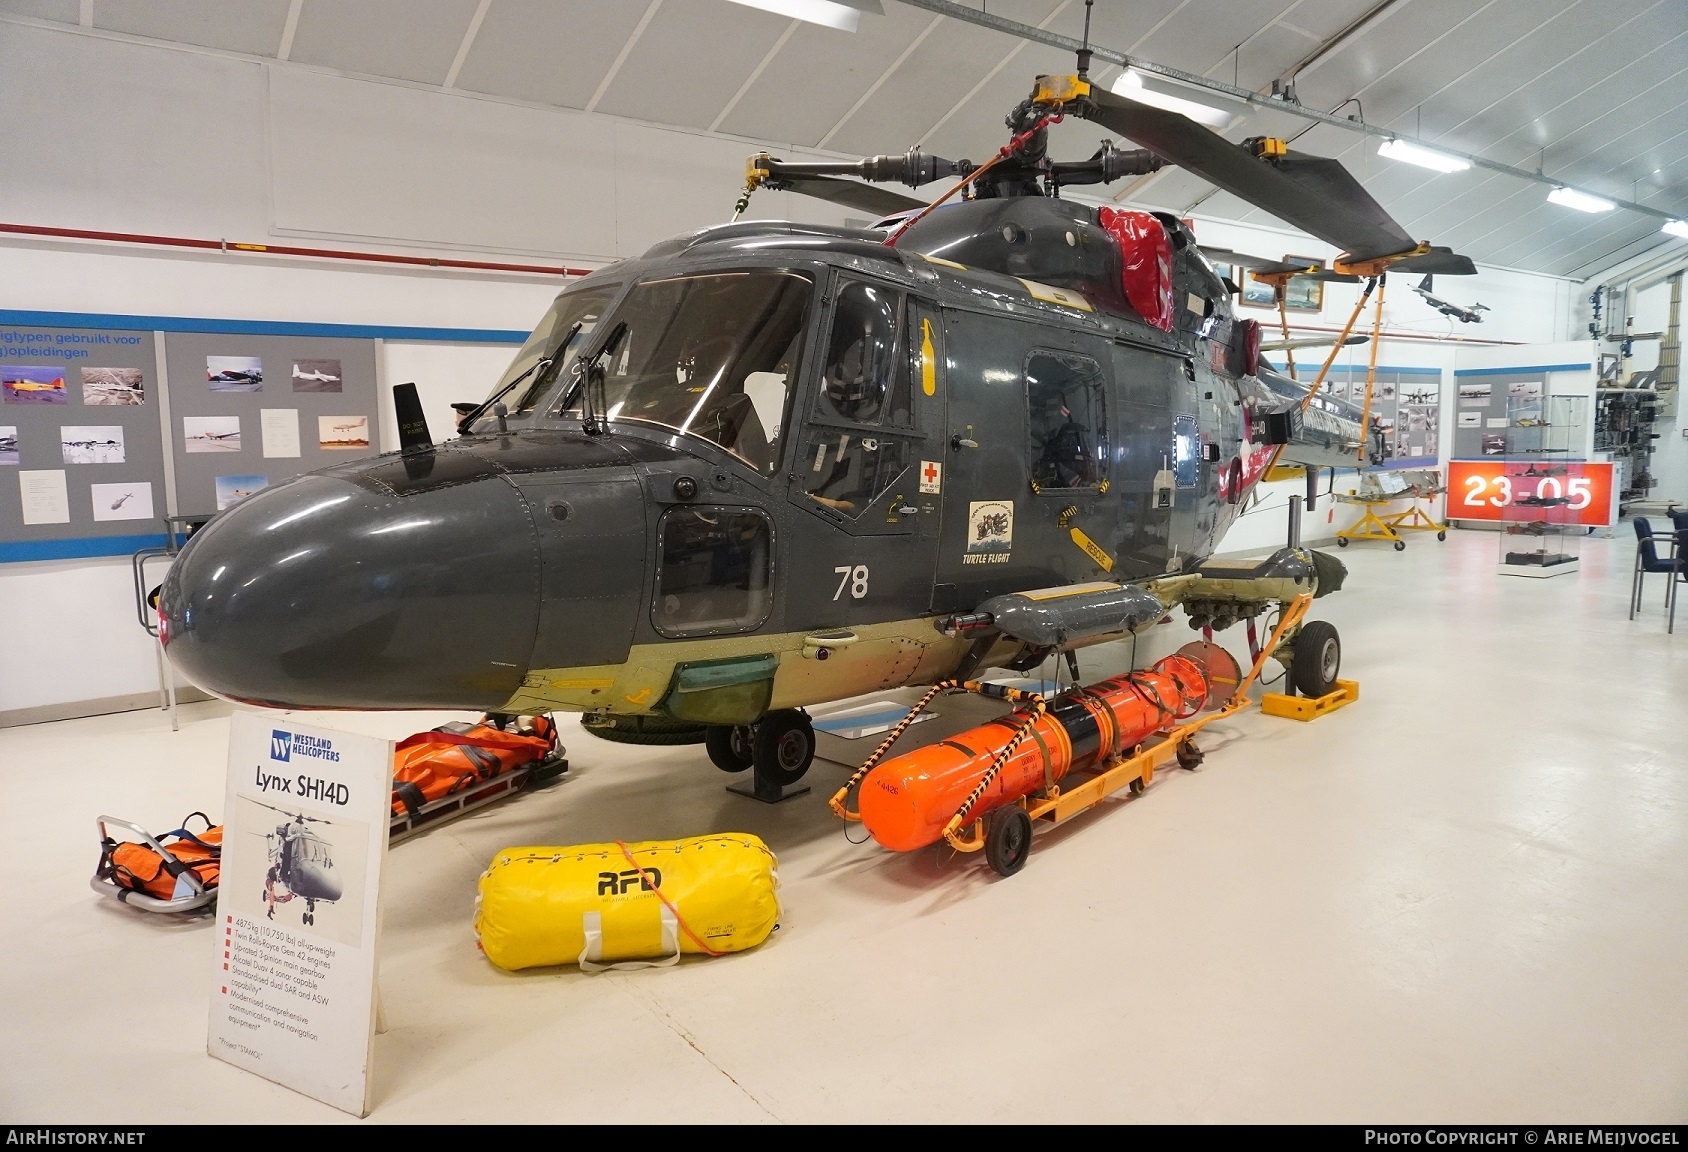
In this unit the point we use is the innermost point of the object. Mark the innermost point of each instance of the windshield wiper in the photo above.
(539, 367)
(593, 373)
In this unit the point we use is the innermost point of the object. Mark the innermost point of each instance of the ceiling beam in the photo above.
(755, 74)
(621, 57)
(289, 29)
(468, 42)
(884, 76)
(1041, 36)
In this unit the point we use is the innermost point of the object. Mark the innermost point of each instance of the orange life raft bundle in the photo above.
(457, 766)
(175, 872)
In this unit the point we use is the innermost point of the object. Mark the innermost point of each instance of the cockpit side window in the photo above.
(1066, 421)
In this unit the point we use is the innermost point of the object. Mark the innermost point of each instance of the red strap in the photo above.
(644, 878)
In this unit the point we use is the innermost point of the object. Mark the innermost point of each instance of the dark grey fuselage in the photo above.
(522, 568)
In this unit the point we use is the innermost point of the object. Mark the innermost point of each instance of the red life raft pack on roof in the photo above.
(453, 758)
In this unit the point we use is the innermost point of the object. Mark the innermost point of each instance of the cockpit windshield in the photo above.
(712, 355)
(531, 377)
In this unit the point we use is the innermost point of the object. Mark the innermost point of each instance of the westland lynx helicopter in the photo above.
(301, 866)
(769, 465)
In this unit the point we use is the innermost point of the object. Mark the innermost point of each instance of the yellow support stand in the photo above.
(1302, 708)
(1371, 526)
(1415, 519)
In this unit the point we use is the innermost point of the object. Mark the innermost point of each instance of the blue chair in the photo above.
(1647, 559)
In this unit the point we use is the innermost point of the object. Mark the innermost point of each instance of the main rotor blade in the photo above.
(879, 201)
(1437, 262)
(1312, 193)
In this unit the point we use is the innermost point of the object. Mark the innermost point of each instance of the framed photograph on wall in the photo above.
(1256, 294)
(1302, 294)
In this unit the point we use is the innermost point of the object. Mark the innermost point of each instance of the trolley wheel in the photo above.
(783, 746)
(1136, 786)
(1189, 756)
(1316, 659)
(1400, 545)
(1008, 840)
(730, 746)
(1342, 541)
(1442, 535)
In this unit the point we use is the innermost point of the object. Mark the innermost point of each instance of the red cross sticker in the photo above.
(930, 471)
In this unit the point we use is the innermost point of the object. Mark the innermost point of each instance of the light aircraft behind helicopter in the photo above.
(768, 465)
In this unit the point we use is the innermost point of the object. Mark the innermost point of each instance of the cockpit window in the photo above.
(712, 356)
(583, 305)
(861, 382)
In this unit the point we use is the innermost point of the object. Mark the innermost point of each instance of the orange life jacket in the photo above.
(141, 869)
(432, 765)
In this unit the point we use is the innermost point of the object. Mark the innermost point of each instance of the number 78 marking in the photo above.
(855, 577)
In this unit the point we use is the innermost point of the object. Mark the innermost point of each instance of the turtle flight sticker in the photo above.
(990, 532)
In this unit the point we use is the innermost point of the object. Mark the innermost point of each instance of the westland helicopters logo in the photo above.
(286, 745)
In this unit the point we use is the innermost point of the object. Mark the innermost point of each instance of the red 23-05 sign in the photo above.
(1515, 490)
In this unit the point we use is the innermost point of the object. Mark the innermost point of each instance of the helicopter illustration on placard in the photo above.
(767, 465)
(301, 865)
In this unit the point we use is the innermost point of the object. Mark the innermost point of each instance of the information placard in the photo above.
(299, 906)
(1571, 492)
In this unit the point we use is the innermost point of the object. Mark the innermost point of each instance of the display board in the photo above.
(81, 448)
(1406, 403)
(305, 824)
(249, 411)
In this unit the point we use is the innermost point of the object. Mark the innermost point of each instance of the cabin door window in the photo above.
(1066, 421)
(858, 446)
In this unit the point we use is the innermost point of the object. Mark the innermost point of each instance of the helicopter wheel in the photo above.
(731, 747)
(783, 747)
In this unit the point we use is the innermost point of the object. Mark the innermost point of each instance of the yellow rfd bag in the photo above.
(599, 905)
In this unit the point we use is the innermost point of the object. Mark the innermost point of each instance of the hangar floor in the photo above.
(1463, 899)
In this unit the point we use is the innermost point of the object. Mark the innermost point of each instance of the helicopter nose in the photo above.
(329, 592)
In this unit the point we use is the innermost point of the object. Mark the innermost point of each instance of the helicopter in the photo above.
(768, 465)
(1465, 315)
(301, 865)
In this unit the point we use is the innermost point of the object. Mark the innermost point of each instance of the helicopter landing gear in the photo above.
(782, 746)
(310, 912)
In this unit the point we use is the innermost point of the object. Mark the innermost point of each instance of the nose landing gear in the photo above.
(778, 750)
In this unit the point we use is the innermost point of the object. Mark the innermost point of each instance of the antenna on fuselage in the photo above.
(413, 425)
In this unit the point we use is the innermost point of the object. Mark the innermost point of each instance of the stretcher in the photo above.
(175, 872)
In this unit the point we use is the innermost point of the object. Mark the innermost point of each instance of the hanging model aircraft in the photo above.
(1465, 315)
(768, 465)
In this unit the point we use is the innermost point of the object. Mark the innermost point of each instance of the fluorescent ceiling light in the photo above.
(1581, 201)
(1676, 228)
(839, 14)
(1410, 153)
(1130, 85)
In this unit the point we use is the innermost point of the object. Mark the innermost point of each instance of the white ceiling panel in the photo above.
(252, 26)
(1202, 37)
(931, 81)
(667, 79)
(394, 38)
(547, 51)
(809, 86)
(1601, 85)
